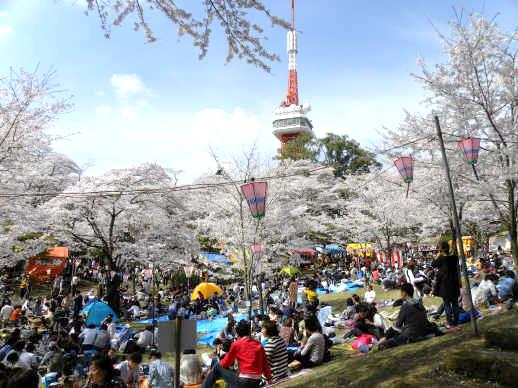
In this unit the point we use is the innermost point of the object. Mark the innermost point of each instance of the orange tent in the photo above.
(45, 267)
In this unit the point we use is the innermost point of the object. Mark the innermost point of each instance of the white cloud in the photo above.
(127, 85)
(3, 14)
(5, 30)
(216, 127)
(179, 141)
(103, 110)
(128, 112)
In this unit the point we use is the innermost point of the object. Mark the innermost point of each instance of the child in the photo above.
(310, 300)
(370, 295)
(350, 310)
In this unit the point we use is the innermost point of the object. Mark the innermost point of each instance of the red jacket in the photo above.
(250, 356)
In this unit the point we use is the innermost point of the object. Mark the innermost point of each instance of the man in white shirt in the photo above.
(74, 283)
(370, 295)
(5, 313)
(134, 311)
(28, 357)
(102, 340)
(88, 335)
(129, 369)
(145, 338)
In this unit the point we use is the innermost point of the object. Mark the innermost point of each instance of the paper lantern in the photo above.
(470, 148)
(255, 194)
(405, 166)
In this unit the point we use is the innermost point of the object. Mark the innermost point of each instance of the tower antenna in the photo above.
(293, 15)
(292, 97)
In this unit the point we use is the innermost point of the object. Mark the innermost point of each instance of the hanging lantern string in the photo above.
(475, 172)
(161, 190)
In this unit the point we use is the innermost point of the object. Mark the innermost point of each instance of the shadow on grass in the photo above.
(417, 364)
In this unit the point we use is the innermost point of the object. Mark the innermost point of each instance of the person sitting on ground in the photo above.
(134, 310)
(129, 369)
(13, 361)
(108, 319)
(250, 357)
(221, 348)
(53, 359)
(87, 336)
(379, 323)
(102, 340)
(312, 353)
(287, 332)
(17, 349)
(101, 374)
(361, 324)
(23, 377)
(145, 338)
(5, 313)
(28, 357)
(507, 286)
(4, 350)
(276, 351)
(256, 325)
(414, 278)
(111, 327)
(486, 292)
(160, 372)
(370, 295)
(411, 323)
(15, 315)
(350, 310)
(229, 331)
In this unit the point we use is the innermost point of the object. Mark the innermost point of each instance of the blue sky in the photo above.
(137, 102)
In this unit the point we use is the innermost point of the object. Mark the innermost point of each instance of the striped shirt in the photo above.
(160, 374)
(277, 356)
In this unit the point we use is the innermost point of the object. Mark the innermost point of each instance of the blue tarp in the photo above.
(150, 321)
(216, 258)
(333, 249)
(209, 329)
(343, 286)
(212, 328)
(97, 312)
(466, 316)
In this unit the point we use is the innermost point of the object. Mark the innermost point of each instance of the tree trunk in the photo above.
(112, 289)
(260, 291)
(113, 293)
(512, 221)
(389, 249)
(453, 238)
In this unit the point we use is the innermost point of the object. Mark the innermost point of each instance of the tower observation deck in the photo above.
(290, 118)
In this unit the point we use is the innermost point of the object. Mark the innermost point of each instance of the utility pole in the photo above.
(458, 231)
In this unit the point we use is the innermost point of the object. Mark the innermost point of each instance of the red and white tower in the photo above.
(290, 118)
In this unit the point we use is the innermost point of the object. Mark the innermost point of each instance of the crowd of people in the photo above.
(48, 338)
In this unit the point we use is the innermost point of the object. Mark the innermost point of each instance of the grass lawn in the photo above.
(419, 364)
(411, 365)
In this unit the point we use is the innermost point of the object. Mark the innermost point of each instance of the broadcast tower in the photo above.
(290, 118)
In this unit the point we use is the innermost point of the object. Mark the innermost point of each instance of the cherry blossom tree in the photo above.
(129, 213)
(244, 37)
(29, 105)
(379, 211)
(302, 200)
(474, 93)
